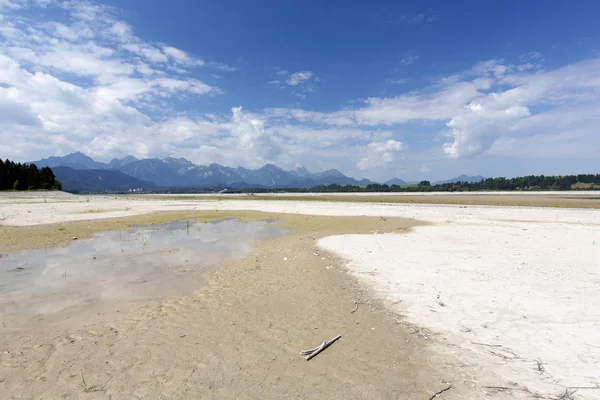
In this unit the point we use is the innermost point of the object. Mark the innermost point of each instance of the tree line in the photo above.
(523, 183)
(17, 176)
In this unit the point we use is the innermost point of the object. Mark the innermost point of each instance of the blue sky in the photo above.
(417, 90)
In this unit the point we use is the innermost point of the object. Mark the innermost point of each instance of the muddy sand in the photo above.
(239, 336)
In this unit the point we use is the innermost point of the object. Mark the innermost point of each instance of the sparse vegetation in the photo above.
(88, 389)
(18, 268)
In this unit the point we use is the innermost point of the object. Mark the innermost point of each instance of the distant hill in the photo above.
(76, 160)
(395, 181)
(178, 172)
(97, 180)
(462, 178)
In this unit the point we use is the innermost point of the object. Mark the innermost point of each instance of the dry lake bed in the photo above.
(176, 297)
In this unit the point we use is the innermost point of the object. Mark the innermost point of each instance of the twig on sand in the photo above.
(585, 387)
(500, 388)
(313, 352)
(485, 344)
(540, 367)
(355, 308)
(504, 388)
(436, 394)
(566, 395)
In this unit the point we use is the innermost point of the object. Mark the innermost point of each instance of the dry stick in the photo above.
(584, 387)
(355, 308)
(485, 344)
(503, 388)
(313, 352)
(436, 394)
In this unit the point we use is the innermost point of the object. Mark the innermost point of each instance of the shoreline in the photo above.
(241, 333)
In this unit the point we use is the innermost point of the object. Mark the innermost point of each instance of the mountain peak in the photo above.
(76, 160)
(301, 172)
(462, 178)
(78, 155)
(115, 163)
(395, 181)
(179, 162)
(331, 173)
(271, 167)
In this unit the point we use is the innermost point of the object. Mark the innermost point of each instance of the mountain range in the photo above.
(80, 173)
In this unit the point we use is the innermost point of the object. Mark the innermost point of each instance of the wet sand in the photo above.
(239, 337)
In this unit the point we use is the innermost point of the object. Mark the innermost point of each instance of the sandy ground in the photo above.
(239, 336)
(500, 301)
(518, 296)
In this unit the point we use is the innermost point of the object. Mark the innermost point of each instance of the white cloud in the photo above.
(298, 77)
(380, 153)
(44, 111)
(222, 67)
(10, 4)
(84, 81)
(301, 83)
(181, 57)
(409, 59)
(397, 81)
(490, 102)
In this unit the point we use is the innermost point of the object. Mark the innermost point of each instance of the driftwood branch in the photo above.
(489, 345)
(313, 352)
(355, 308)
(436, 394)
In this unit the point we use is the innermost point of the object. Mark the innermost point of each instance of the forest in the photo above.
(17, 176)
(524, 183)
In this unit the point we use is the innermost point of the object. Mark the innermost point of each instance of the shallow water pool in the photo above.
(117, 268)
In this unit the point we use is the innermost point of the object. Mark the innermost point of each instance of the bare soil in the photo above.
(239, 336)
(559, 200)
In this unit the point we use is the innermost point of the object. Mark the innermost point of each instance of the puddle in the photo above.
(119, 268)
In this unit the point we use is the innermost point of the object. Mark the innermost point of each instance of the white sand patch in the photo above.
(532, 288)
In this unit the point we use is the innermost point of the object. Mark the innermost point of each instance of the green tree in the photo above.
(47, 178)
(17, 185)
(33, 177)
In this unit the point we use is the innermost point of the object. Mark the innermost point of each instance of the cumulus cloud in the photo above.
(301, 83)
(298, 77)
(490, 102)
(113, 97)
(253, 137)
(81, 85)
(380, 153)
